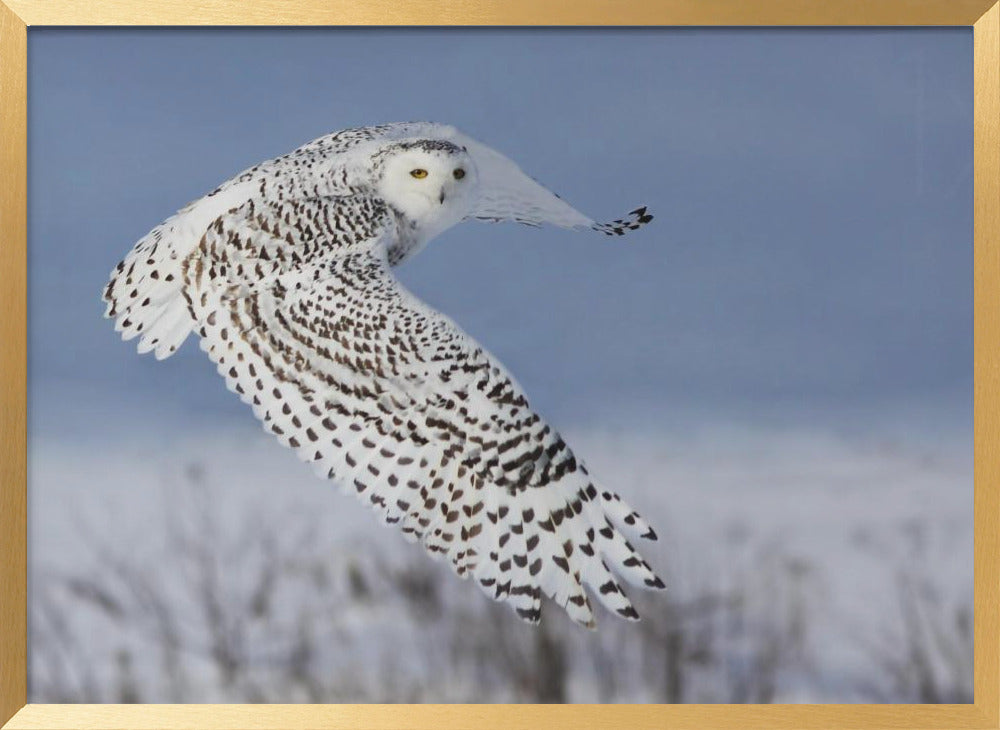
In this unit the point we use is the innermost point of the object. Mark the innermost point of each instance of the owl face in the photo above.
(429, 182)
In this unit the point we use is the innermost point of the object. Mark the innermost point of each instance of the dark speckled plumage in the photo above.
(285, 274)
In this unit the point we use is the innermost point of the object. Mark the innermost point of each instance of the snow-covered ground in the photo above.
(853, 523)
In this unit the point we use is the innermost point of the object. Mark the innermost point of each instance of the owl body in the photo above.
(284, 273)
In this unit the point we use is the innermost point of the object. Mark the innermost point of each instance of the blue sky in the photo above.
(812, 247)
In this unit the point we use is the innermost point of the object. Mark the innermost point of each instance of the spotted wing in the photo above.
(297, 306)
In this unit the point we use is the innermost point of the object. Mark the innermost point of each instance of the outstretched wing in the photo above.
(296, 304)
(507, 193)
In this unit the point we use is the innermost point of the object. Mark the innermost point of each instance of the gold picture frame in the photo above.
(17, 15)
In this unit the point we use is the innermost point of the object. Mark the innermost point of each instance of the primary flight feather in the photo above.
(285, 273)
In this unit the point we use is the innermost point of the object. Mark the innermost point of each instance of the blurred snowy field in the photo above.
(823, 537)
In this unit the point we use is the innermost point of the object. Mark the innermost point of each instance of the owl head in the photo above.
(430, 182)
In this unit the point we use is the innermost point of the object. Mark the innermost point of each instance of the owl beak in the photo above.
(441, 197)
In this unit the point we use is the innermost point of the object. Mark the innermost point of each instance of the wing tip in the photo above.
(655, 583)
(633, 221)
(628, 613)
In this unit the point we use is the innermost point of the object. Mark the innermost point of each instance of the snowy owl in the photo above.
(285, 273)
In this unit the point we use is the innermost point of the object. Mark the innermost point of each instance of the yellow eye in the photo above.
(459, 173)
(419, 173)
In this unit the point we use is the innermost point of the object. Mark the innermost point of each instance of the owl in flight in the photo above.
(285, 273)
